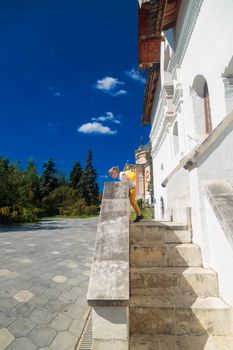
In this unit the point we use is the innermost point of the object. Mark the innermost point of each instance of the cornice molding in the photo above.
(191, 16)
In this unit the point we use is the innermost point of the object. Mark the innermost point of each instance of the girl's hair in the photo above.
(112, 169)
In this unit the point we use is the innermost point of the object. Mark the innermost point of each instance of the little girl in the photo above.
(130, 177)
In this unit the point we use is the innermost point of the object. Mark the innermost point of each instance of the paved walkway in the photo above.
(44, 272)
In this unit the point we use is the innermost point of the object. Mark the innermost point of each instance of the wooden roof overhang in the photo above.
(153, 76)
(154, 16)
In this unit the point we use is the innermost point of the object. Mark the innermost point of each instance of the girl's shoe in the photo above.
(138, 218)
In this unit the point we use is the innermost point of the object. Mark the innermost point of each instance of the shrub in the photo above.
(30, 214)
(7, 215)
(92, 210)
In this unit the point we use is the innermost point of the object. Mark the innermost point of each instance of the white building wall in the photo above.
(208, 52)
(219, 247)
(162, 164)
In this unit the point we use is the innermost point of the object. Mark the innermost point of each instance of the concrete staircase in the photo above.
(174, 302)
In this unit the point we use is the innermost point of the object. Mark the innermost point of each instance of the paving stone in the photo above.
(87, 273)
(6, 338)
(77, 326)
(73, 281)
(25, 261)
(40, 315)
(22, 344)
(75, 311)
(13, 274)
(56, 305)
(23, 285)
(6, 318)
(38, 289)
(39, 300)
(48, 284)
(84, 284)
(52, 293)
(23, 309)
(21, 326)
(68, 297)
(78, 291)
(47, 276)
(4, 272)
(7, 304)
(63, 287)
(88, 265)
(21, 269)
(42, 335)
(59, 279)
(23, 296)
(64, 341)
(60, 322)
(72, 265)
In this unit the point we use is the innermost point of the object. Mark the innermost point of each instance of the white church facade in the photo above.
(189, 104)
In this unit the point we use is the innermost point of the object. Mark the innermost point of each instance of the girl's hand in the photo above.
(124, 177)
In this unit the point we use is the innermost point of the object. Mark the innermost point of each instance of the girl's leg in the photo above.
(132, 199)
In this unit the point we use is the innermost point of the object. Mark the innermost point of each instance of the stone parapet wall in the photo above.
(108, 291)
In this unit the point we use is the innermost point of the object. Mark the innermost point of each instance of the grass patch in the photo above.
(146, 212)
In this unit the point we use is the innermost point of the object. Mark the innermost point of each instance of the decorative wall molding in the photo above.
(191, 16)
(177, 97)
(165, 115)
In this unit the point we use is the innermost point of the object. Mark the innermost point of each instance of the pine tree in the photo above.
(88, 188)
(49, 180)
(75, 175)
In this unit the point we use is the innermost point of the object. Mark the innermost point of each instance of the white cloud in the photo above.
(108, 117)
(120, 92)
(96, 128)
(110, 85)
(136, 75)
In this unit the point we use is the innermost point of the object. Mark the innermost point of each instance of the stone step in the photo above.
(180, 316)
(165, 255)
(150, 342)
(175, 281)
(159, 232)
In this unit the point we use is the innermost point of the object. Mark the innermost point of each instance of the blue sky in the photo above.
(69, 82)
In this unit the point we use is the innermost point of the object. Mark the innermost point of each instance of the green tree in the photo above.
(15, 186)
(49, 180)
(4, 182)
(61, 179)
(75, 175)
(88, 188)
(31, 186)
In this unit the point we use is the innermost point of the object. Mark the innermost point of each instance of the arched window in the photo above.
(228, 86)
(175, 138)
(201, 106)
